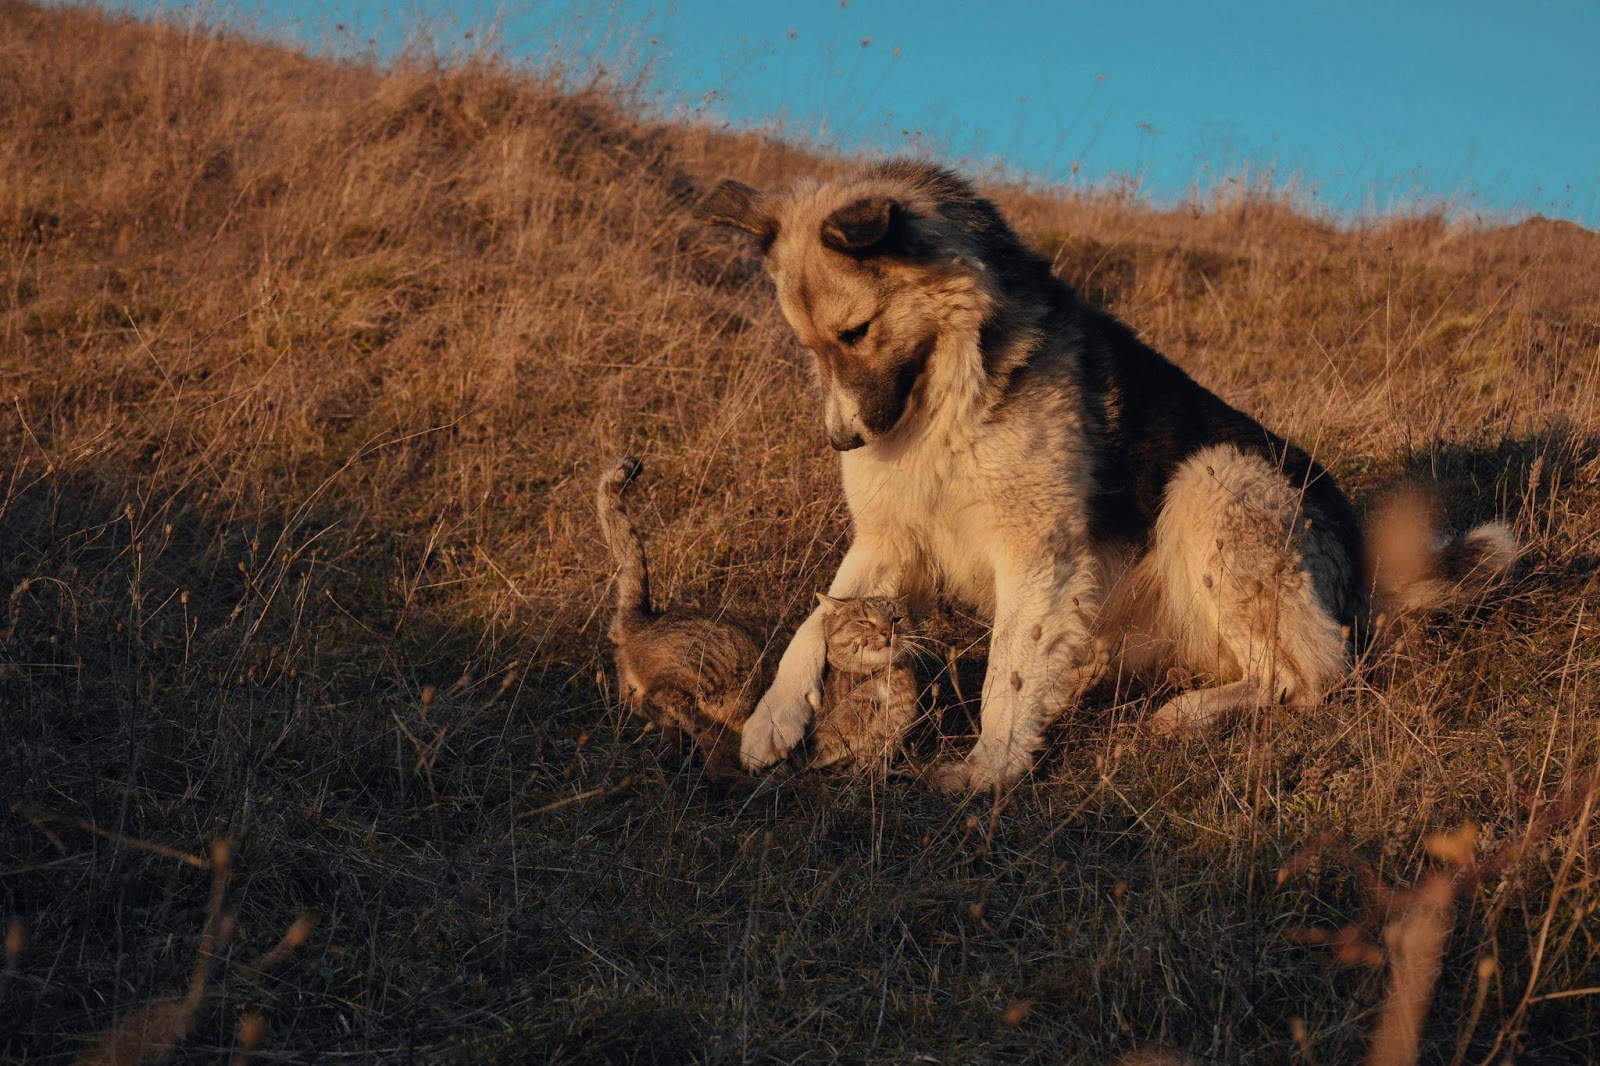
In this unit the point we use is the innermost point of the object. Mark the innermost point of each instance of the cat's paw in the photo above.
(776, 726)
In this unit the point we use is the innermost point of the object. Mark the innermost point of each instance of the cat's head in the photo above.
(863, 633)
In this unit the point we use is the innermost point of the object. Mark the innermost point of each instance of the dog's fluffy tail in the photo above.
(1413, 566)
(627, 550)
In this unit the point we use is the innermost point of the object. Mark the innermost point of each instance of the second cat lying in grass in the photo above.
(689, 673)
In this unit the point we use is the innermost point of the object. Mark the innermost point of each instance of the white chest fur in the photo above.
(929, 508)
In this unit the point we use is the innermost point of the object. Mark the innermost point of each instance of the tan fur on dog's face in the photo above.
(863, 275)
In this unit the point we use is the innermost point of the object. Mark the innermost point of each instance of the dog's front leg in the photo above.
(1041, 633)
(779, 721)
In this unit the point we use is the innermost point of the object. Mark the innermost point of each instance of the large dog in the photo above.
(1007, 443)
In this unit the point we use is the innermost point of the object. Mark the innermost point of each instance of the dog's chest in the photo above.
(934, 508)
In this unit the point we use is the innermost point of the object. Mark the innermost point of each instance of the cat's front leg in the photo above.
(779, 720)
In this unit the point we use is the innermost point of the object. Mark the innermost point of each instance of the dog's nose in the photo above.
(842, 442)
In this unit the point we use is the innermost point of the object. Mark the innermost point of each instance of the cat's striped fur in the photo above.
(869, 693)
(689, 673)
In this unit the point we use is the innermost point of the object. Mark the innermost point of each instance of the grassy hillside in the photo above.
(307, 370)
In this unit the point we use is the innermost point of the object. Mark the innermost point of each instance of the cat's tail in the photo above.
(627, 550)
(1413, 566)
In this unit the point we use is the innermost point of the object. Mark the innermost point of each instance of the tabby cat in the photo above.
(869, 692)
(690, 674)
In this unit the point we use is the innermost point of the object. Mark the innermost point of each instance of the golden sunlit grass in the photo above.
(307, 370)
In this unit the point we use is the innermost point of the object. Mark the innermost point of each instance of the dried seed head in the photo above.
(299, 932)
(1311, 779)
(252, 1027)
(221, 854)
(1457, 847)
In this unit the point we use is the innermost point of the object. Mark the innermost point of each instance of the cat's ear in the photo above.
(828, 603)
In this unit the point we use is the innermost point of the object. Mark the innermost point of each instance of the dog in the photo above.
(1008, 444)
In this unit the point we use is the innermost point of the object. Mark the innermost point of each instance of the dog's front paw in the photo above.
(761, 746)
(776, 725)
(974, 774)
(951, 777)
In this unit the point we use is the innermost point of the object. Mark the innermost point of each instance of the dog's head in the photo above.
(873, 273)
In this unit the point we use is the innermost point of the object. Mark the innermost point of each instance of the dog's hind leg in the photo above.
(1245, 580)
(1202, 709)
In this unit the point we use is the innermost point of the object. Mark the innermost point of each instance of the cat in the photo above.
(869, 692)
(688, 673)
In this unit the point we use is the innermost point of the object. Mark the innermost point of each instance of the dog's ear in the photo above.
(863, 226)
(733, 203)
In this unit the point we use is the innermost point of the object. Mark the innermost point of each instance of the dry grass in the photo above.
(307, 368)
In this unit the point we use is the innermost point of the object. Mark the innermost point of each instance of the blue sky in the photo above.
(1361, 107)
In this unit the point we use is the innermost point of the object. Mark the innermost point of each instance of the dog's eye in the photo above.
(855, 333)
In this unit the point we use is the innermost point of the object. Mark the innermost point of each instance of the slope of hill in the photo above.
(308, 369)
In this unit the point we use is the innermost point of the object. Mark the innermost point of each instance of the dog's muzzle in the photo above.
(847, 440)
(846, 428)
